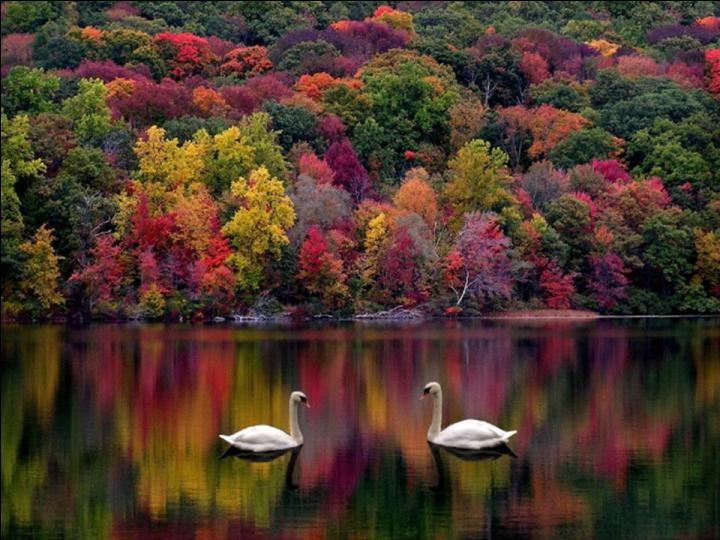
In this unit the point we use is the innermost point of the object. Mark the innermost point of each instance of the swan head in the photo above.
(299, 397)
(431, 389)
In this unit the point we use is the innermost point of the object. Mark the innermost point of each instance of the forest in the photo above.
(187, 160)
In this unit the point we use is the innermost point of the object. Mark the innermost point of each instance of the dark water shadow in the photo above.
(265, 457)
(486, 454)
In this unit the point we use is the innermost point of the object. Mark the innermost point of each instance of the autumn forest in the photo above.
(187, 160)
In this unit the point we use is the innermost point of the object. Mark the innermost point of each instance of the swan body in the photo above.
(466, 434)
(263, 438)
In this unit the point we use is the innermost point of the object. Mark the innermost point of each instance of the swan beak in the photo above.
(422, 397)
(307, 404)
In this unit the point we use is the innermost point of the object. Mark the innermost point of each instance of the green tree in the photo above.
(88, 111)
(480, 180)
(29, 90)
(581, 147)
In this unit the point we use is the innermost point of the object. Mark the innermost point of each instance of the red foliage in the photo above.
(608, 282)
(534, 67)
(239, 99)
(316, 168)
(220, 47)
(247, 61)
(400, 274)
(349, 172)
(272, 86)
(687, 75)
(16, 50)
(332, 128)
(104, 275)
(635, 66)
(108, 71)
(712, 70)
(151, 102)
(479, 264)
(557, 288)
(186, 53)
(612, 170)
(321, 270)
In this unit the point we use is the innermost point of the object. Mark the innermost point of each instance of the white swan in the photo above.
(466, 434)
(264, 438)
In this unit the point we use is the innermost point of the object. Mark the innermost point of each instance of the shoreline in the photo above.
(396, 317)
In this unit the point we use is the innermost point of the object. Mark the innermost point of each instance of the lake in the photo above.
(111, 431)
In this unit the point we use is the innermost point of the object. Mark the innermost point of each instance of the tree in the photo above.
(570, 217)
(493, 69)
(547, 125)
(293, 124)
(186, 54)
(209, 102)
(103, 275)
(88, 111)
(479, 266)
(417, 195)
(479, 181)
(581, 147)
(11, 229)
(316, 168)
(712, 70)
(257, 230)
(246, 61)
(29, 90)
(400, 272)
(38, 287)
(321, 270)
(349, 172)
(317, 204)
(608, 283)
(543, 183)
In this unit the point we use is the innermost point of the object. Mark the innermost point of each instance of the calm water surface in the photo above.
(110, 431)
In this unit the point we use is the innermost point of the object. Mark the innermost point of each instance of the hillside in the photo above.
(195, 159)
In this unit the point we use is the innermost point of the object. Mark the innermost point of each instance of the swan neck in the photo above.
(436, 424)
(295, 432)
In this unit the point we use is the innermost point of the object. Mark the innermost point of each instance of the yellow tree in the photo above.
(167, 162)
(258, 229)
(39, 285)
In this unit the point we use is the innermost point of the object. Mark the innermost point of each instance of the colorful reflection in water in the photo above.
(111, 431)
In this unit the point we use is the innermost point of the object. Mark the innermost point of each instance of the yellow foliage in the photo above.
(258, 230)
(166, 161)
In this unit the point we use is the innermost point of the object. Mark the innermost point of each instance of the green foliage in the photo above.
(293, 124)
(581, 147)
(29, 90)
(88, 111)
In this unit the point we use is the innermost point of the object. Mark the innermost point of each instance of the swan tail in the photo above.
(509, 434)
(226, 438)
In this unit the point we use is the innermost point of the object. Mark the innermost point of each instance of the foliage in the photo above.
(191, 159)
(257, 230)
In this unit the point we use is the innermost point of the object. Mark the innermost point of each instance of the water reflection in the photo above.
(265, 457)
(111, 431)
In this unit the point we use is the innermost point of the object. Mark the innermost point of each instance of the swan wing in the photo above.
(472, 434)
(260, 438)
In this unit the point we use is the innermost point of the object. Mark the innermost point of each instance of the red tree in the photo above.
(349, 172)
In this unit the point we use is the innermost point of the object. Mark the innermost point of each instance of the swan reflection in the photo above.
(266, 457)
(485, 454)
